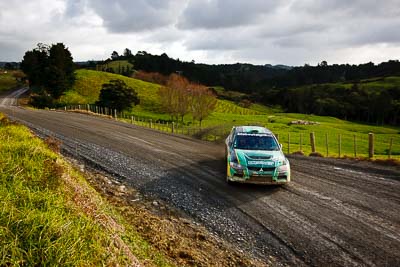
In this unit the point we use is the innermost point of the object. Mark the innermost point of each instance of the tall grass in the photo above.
(50, 217)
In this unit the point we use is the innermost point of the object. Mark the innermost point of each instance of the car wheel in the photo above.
(229, 181)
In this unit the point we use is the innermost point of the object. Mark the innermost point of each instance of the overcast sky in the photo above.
(291, 32)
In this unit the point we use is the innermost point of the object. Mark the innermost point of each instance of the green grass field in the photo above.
(228, 114)
(50, 216)
(7, 81)
(118, 66)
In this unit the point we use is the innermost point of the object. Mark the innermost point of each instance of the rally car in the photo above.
(254, 156)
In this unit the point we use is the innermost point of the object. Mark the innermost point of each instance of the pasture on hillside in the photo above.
(117, 66)
(227, 114)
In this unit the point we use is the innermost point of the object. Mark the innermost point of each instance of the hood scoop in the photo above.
(258, 157)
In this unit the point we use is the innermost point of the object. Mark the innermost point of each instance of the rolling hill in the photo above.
(227, 114)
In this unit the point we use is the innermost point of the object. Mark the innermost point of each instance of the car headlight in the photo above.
(283, 168)
(235, 163)
(236, 166)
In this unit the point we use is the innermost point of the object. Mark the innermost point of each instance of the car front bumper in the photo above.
(260, 179)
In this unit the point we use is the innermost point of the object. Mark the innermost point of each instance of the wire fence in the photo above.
(358, 145)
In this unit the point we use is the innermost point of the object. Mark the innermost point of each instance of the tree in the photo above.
(168, 100)
(175, 96)
(203, 102)
(181, 86)
(117, 95)
(127, 52)
(50, 70)
(114, 55)
(33, 65)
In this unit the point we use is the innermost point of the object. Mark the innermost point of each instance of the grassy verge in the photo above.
(50, 216)
(7, 81)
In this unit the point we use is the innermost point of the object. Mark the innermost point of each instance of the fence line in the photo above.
(338, 145)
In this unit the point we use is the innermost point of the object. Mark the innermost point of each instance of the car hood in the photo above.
(259, 157)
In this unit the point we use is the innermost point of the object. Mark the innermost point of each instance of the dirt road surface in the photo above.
(334, 213)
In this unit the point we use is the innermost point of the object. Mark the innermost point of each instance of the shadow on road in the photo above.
(203, 184)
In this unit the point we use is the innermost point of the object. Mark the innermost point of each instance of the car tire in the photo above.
(229, 182)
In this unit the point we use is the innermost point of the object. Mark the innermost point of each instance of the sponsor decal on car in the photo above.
(257, 162)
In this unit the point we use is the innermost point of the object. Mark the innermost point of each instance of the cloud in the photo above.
(126, 16)
(290, 32)
(344, 8)
(205, 14)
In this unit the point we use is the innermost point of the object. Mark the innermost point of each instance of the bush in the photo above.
(117, 95)
(41, 101)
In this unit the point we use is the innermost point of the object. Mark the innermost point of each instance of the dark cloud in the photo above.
(291, 32)
(135, 16)
(204, 14)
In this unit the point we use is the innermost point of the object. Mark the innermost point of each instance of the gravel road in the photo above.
(333, 213)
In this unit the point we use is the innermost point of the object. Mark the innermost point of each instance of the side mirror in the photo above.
(281, 146)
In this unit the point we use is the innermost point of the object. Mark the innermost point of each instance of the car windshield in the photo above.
(255, 142)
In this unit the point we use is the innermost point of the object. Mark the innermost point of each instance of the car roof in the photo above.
(252, 130)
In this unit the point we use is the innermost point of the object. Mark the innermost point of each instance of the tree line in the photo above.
(250, 78)
(297, 89)
(359, 103)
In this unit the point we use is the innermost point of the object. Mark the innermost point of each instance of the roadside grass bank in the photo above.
(50, 216)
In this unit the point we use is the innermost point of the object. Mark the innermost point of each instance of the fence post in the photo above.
(301, 141)
(355, 147)
(370, 145)
(340, 144)
(79, 107)
(131, 119)
(115, 114)
(312, 142)
(390, 148)
(326, 143)
(173, 127)
(65, 108)
(288, 147)
(151, 123)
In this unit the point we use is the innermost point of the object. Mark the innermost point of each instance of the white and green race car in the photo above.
(254, 156)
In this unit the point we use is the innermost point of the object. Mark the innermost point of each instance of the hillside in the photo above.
(88, 85)
(227, 114)
(116, 66)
